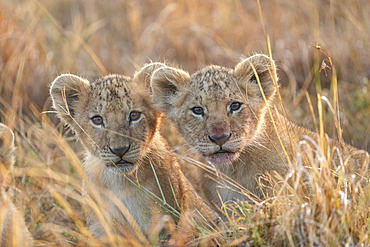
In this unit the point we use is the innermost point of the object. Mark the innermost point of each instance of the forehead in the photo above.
(112, 92)
(111, 87)
(214, 81)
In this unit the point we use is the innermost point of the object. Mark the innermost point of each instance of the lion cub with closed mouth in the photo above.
(222, 114)
(126, 157)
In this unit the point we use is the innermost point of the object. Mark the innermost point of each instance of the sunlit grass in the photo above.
(41, 39)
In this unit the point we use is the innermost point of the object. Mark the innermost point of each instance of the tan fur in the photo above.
(114, 97)
(247, 134)
(13, 230)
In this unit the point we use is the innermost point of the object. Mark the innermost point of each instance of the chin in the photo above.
(222, 158)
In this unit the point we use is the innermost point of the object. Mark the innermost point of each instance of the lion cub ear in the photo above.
(143, 76)
(66, 91)
(264, 70)
(166, 84)
(6, 151)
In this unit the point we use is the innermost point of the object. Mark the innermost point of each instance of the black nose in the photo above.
(219, 139)
(120, 151)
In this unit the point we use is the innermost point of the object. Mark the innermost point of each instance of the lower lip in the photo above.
(222, 158)
(123, 162)
(123, 165)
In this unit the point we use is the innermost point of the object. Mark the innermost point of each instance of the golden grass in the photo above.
(40, 39)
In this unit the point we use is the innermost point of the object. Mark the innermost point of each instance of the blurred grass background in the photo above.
(40, 39)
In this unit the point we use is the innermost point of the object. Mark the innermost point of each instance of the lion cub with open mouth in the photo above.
(127, 159)
(223, 115)
(13, 230)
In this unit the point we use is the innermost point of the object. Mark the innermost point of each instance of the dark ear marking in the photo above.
(70, 101)
(253, 78)
(170, 89)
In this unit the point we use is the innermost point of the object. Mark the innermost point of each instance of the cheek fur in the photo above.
(139, 132)
(193, 129)
(92, 138)
(143, 131)
(249, 124)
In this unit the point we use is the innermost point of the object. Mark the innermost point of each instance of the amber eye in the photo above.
(235, 106)
(134, 116)
(97, 120)
(197, 110)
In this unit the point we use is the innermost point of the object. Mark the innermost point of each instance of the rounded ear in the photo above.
(6, 151)
(66, 90)
(258, 66)
(144, 75)
(166, 83)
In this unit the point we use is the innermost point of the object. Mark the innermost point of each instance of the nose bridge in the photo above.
(118, 137)
(218, 129)
(218, 123)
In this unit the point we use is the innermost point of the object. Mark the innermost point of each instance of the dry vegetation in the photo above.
(40, 39)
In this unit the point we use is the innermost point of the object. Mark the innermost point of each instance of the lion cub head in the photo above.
(6, 151)
(218, 110)
(113, 117)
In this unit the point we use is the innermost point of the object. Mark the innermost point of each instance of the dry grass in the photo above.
(42, 39)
